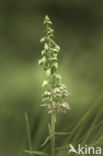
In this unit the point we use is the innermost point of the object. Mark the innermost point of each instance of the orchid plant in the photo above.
(55, 96)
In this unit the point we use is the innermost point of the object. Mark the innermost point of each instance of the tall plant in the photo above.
(55, 96)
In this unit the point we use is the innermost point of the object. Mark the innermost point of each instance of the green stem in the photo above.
(53, 134)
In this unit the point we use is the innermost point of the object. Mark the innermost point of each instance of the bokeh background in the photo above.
(78, 29)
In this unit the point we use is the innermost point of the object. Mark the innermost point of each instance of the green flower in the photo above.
(57, 98)
(64, 106)
(46, 93)
(43, 52)
(45, 83)
(46, 46)
(55, 65)
(48, 72)
(57, 76)
(47, 20)
(42, 39)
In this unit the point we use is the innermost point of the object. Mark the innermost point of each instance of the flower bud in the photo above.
(47, 20)
(47, 93)
(43, 52)
(42, 39)
(43, 60)
(46, 46)
(48, 72)
(58, 47)
(65, 106)
(55, 65)
(45, 83)
(40, 62)
(57, 76)
(53, 59)
(50, 31)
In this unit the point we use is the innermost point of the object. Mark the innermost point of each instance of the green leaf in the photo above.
(46, 140)
(62, 133)
(61, 148)
(36, 152)
(43, 105)
(50, 130)
(28, 132)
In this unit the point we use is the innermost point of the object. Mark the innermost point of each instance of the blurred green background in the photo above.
(78, 29)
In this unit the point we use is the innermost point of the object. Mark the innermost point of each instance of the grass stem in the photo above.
(28, 132)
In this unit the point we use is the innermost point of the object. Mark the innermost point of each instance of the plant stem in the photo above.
(53, 115)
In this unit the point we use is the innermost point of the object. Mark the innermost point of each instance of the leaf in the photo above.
(36, 152)
(61, 148)
(43, 105)
(50, 130)
(46, 140)
(62, 133)
(28, 131)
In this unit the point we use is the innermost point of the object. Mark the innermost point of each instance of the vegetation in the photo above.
(78, 26)
(55, 97)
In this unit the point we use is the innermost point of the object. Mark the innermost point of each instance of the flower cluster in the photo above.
(56, 95)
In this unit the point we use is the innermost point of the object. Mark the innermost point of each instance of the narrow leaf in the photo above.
(28, 131)
(50, 130)
(61, 148)
(62, 133)
(36, 152)
(43, 105)
(46, 140)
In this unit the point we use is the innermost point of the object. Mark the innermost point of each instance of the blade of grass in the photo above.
(36, 152)
(80, 125)
(46, 140)
(28, 132)
(62, 133)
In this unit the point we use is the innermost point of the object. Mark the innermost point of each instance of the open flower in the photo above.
(65, 106)
(46, 94)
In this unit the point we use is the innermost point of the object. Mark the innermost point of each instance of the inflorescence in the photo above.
(55, 97)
